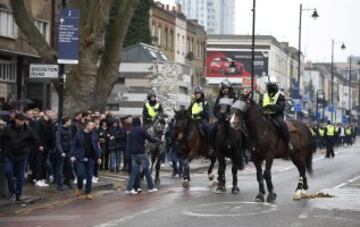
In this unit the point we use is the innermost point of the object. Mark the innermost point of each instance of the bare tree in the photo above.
(103, 28)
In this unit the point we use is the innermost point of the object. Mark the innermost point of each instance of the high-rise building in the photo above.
(217, 16)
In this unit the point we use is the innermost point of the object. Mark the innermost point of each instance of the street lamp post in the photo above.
(253, 50)
(350, 90)
(332, 73)
(61, 81)
(314, 15)
(318, 94)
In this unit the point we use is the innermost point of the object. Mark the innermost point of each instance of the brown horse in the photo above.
(267, 145)
(191, 143)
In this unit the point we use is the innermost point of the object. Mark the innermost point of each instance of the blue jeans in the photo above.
(140, 161)
(115, 160)
(15, 169)
(64, 167)
(85, 170)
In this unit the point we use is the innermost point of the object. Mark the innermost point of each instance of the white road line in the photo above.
(116, 222)
(346, 182)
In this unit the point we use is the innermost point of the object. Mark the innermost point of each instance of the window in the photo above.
(153, 55)
(43, 28)
(183, 90)
(7, 71)
(8, 26)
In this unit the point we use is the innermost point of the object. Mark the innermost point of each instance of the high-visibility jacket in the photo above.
(268, 101)
(348, 131)
(196, 109)
(321, 132)
(152, 110)
(330, 130)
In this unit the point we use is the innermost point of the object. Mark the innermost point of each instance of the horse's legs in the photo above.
(221, 171)
(260, 179)
(302, 184)
(186, 173)
(157, 168)
(235, 165)
(267, 176)
(211, 167)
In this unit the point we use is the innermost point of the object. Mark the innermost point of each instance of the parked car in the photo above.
(226, 66)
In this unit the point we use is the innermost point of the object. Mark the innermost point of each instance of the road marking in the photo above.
(39, 218)
(116, 222)
(228, 207)
(346, 182)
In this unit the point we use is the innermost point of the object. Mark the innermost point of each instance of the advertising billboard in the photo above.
(235, 66)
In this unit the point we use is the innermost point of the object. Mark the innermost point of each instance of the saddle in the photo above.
(291, 127)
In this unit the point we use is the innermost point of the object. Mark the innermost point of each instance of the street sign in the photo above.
(330, 109)
(68, 45)
(44, 71)
(297, 106)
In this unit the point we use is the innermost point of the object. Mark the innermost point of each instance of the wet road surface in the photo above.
(199, 206)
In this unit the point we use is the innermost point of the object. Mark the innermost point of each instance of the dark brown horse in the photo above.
(191, 143)
(267, 145)
(228, 142)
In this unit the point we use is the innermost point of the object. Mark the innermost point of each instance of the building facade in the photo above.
(217, 16)
(16, 54)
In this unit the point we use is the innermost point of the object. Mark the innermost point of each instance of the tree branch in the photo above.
(25, 22)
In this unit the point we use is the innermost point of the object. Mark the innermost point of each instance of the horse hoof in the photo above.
(298, 194)
(260, 198)
(235, 190)
(211, 177)
(185, 184)
(220, 190)
(271, 197)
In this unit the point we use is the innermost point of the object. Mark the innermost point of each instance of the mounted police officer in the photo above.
(273, 104)
(226, 91)
(199, 110)
(151, 108)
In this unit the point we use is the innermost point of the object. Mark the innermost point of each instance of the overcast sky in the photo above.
(339, 20)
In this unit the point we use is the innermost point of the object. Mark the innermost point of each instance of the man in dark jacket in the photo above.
(136, 147)
(63, 140)
(86, 151)
(17, 140)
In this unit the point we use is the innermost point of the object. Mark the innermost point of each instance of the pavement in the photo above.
(199, 206)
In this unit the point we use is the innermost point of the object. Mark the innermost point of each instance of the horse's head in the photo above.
(160, 123)
(182, 119)
(240, 107)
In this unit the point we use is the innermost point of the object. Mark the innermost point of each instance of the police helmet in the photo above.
(198, 89)
(150, 94)
(225, 84)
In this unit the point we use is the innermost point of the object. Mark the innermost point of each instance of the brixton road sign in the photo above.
(68, 45)
(43, 71)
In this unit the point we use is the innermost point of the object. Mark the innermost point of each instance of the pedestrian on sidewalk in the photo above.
(136, 147)
(63, 140)
(86, 152)
(17, 140)
(116, 144)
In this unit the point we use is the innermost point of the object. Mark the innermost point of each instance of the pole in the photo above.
(299, 53)
(317, 107)
(253, 50)
(350, 90)
(332, 78)
(61, 81)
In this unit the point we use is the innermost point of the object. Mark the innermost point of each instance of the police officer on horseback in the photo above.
(226, 91)
(151, 108)
(199, 110)
(273, 104)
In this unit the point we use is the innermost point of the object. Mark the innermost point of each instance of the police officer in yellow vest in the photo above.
(273, 104)
(151, 108)
(329, 140)
(199, 110)
(348, 135)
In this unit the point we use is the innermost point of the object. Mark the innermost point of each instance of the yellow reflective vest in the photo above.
(330, 130)
(321, 132)
(268, 101)
(152, 110)
(196, 109)
(348, 131)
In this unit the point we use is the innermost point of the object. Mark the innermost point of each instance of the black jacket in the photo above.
(63, 140)
(17, 142)
(117, 139)
(136, 139)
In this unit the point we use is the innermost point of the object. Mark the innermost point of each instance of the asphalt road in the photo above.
(199, 206)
